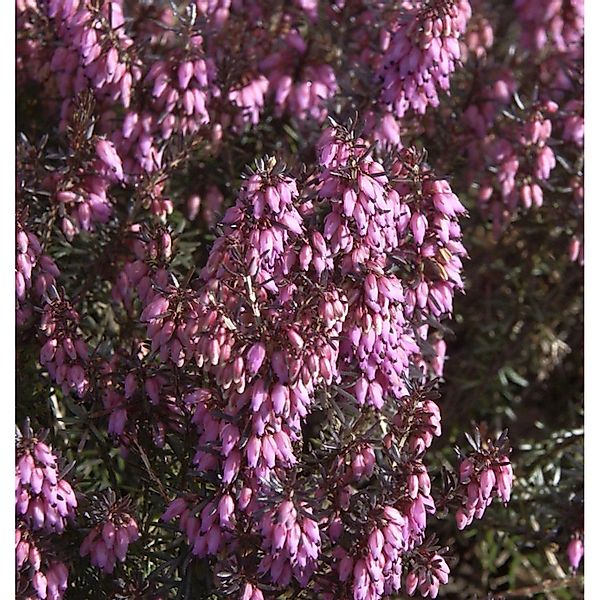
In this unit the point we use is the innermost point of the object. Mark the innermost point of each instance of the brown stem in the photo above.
(544, 586)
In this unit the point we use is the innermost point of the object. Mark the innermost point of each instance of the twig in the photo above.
(149, 470)
(544, 586)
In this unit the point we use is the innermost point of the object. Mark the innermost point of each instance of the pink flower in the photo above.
(575, 552)
(108, 155)
(256, 356)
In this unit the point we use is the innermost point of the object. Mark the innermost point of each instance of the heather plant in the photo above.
(285, 273)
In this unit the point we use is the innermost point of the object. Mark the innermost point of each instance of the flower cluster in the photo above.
(486, 472)
(109, 540)
(427, 573)
(147, 268)
(431, 212)
(140, 404)
(79, 177)
(291, 541)
(509, 127)
(34, 270)
(38, 577)
(521, 161)
(379, 572)
(45, 503)
(305, 95)
(421, 53)
(179, 89)
(94, 52)
(64, 353)
(561, 22)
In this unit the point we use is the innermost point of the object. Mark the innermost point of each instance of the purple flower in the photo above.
(575, 552)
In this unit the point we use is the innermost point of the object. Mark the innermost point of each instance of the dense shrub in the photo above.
(248, 236)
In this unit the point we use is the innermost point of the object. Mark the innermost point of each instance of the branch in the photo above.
(544, 586)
